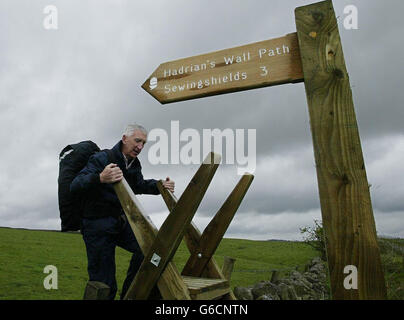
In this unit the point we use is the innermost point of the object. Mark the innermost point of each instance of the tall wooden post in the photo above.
(346, 208)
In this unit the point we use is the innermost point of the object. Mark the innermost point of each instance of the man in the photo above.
(104, 224)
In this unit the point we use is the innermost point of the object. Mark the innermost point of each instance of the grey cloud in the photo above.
(83, 82)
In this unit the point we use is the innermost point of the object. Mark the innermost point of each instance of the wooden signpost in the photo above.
(346, 207)
(256, 65)
(313, 55)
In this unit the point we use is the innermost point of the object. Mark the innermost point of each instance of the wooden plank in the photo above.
(211, 294)
(194, 281)
(216, 229)
(265, 63)
(192, 236)
(172, 230)
(169, 198)
(346, 208)
(143, 228)
(199, 285)
(170, 284)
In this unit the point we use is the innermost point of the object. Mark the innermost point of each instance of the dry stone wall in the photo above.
(309, 285)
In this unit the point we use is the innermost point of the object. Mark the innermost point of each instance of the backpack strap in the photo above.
(110, 154)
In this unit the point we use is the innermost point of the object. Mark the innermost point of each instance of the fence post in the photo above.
(96, 290)
(228, 265)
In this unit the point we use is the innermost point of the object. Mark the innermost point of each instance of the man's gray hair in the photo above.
(131, 128)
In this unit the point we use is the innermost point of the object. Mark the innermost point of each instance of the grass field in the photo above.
(25, 253)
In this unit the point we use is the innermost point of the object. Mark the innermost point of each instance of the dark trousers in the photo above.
(101, 237)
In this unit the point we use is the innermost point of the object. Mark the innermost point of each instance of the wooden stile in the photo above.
(192, 237)
(216, 229)
(159, 246)
(171, 232)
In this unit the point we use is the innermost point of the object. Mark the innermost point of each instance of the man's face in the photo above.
(133, 145)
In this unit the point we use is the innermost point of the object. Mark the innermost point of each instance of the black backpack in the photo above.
(72, 159)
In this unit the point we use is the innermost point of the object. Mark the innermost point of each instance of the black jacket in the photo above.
(100, 199)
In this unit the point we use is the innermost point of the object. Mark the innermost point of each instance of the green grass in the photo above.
(25, 253)
(392, 256)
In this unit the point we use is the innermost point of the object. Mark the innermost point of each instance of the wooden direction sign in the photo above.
(346, 209)
(260, 64)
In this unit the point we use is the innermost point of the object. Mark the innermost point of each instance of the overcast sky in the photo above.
(83, 81)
